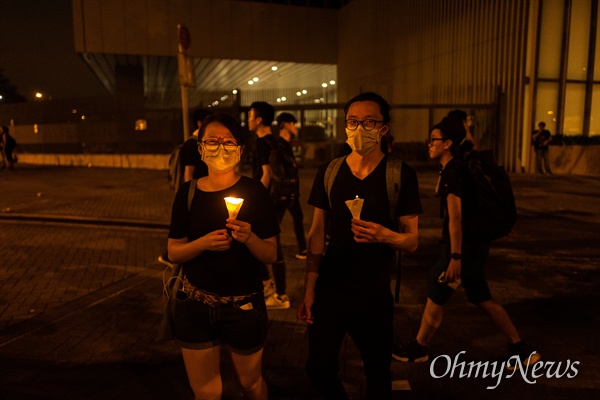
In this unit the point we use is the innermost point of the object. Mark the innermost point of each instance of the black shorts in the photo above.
(472, 275)
(242, 329)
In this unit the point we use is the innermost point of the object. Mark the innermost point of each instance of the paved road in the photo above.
(80, 294)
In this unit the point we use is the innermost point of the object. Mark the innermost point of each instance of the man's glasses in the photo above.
(367, 124)
(213, 145)
(431, 141)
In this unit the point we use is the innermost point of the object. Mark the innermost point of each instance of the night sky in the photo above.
(37, 51)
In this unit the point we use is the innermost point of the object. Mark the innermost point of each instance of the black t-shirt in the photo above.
(231, 272)
(191, 156)
(263, 149)
(450, 182)
(348, 265)
(541, 138)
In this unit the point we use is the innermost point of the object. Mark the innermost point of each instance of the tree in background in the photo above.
(9, 92)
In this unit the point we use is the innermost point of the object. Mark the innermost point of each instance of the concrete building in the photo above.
(508, 63)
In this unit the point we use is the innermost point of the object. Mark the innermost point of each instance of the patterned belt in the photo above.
(212, 299)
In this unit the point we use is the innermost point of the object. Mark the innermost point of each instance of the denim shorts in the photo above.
(199, 326)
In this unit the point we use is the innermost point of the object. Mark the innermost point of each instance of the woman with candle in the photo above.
(222, 301)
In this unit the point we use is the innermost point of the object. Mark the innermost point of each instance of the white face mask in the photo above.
(220, 160)
(362, 141)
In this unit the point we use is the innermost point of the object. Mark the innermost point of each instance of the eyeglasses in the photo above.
(431, 141)
(229, 145)
(367, 124)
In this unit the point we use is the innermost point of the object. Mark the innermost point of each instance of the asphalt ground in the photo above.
(80, 295)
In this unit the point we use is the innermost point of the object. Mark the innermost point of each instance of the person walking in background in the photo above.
(222, 303)
(347, 284)
(260, 118)
(540, 140)
(194, 167)
(191, 161)
(7, 145)
(287, 132)
(463, 254)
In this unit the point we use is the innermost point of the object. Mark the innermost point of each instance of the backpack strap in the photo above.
(393, 173)
(191, 193)
(330, 174)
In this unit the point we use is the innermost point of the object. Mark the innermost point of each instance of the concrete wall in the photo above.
(440, 52)
(221, 29)
(136, 161)
(578, 160)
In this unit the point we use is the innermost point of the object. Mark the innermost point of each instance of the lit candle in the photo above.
(233, 206)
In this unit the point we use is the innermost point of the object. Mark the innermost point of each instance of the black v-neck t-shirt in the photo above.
(348, 265)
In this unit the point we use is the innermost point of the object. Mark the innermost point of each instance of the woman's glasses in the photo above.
(213, 145)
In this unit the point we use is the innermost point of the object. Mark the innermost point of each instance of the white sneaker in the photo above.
(276, 302)
(269, 290)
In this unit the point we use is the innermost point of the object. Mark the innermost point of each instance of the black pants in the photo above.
(368, 320)
(293, 206)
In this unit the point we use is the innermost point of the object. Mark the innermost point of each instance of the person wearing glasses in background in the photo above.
(347, 284)
(463, 254)
(222, 302)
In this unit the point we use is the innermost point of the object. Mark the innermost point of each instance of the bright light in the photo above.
(324, 84)
(224, 98)
(234, 91)
(279, 100)
(255, 79)
(38, 95)
(274, 68)
(250, 82)
(332, 82)
(0, 97)
(304, 91)
(283, 98)
(550, 112)
(298, 94)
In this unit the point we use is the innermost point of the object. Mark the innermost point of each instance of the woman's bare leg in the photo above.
(203, 368)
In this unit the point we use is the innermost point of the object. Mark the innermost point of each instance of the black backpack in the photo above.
(284, 177)
(490, 202)
(175, 172)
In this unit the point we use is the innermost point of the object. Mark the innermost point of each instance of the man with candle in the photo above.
(347, 286)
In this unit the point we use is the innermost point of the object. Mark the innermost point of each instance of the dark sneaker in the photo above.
(410, 352)
(521, 354)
